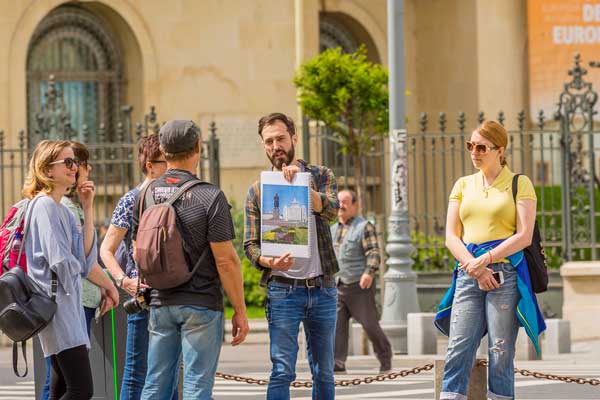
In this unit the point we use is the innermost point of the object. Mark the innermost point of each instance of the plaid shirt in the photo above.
(323, 181)
(369, 244)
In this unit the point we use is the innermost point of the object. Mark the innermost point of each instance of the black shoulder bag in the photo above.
(534, 253)
(25, 308)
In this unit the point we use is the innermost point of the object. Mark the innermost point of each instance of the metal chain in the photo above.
(541, 375)
(405, 373)
(343, 382)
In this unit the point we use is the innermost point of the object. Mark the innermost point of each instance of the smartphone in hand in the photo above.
(499, 277)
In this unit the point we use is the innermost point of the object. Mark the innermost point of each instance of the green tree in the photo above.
(349, 94)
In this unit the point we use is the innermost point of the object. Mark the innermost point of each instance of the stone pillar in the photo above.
(581, 298)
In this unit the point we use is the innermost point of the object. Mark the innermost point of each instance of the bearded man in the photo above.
(303, 289)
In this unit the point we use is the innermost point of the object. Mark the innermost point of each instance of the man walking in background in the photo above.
(357, 250)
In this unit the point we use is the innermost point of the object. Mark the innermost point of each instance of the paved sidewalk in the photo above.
(252, 359)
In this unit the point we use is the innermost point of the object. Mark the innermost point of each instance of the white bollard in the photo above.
(557, 336)
(421, 334)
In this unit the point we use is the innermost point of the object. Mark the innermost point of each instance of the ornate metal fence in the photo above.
(322, 147)
(559, 155)
(114, 162)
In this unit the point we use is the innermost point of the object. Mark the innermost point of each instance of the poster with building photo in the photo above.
(285, 209)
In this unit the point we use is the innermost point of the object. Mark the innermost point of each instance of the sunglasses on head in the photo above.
(69, 162)
(479, 147)
(158, 161)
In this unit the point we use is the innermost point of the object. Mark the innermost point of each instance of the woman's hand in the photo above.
(476, 266)
(486, 280)
(86, 194)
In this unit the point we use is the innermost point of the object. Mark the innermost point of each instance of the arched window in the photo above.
(333, 34)
(75, 46)
(340, 30)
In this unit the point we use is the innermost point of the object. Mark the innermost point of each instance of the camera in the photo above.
(139, 302)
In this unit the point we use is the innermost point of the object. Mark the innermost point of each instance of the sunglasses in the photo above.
(69, 162)
(479, 147)
(158, 161)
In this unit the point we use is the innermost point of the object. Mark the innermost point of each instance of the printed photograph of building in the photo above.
(285, 214)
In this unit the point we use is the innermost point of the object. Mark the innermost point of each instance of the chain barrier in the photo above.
(403, 374)
(541, 375)
(341, 382)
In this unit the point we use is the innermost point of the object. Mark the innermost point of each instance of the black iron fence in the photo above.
(114, 161)
(560, 153)
(323, 147)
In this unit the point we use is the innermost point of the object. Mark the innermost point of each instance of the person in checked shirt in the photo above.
(357, 250)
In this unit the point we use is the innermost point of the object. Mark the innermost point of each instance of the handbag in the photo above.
(534, 253)
(25, 308)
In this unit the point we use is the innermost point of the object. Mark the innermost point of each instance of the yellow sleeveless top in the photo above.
(489, 214)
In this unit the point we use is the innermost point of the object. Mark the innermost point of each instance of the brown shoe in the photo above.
(337, 369)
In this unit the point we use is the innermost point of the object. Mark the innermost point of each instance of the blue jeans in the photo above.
(473, 312)
(196, 332)
(286, 307)
(136, 356)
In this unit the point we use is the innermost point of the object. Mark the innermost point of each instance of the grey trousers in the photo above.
(359, 304)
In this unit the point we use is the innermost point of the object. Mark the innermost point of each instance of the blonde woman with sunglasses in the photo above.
(54, 243)
(486, 231)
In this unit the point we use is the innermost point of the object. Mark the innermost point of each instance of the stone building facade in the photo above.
(233, 61)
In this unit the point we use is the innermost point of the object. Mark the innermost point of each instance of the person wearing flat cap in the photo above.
(187, 321)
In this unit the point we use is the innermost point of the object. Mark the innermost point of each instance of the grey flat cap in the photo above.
(178, 136)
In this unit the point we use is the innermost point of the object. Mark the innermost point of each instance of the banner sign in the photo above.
(557, 30)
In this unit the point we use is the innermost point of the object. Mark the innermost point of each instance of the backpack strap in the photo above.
(142, 199)
(16, 358)
(184, 188)
(146, 197)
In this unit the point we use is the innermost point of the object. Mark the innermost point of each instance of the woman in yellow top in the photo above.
(485, 228)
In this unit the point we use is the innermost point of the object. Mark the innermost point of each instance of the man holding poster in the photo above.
(301, 288)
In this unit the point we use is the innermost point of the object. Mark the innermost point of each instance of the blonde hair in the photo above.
(37, 179)
(495, 133)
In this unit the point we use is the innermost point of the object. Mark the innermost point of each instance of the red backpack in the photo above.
(11, 238)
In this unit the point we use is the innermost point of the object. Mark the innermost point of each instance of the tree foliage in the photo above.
(349, 94)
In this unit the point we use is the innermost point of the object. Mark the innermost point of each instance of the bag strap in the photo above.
(172, 199)
(515, 186)
(142, 198)
(184, 188)
(16, 358)
(54, 281)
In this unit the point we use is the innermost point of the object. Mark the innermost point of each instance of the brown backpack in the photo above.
(159, 252)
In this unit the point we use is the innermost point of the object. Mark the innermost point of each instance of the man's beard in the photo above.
(278, 162)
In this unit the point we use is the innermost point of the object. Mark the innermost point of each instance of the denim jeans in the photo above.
(474, 312)
(286, 307)
(194, 331)
(136, 356)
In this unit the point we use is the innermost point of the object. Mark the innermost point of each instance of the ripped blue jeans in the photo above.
(474, 312)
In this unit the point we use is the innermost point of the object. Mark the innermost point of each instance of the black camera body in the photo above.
(139, 302)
